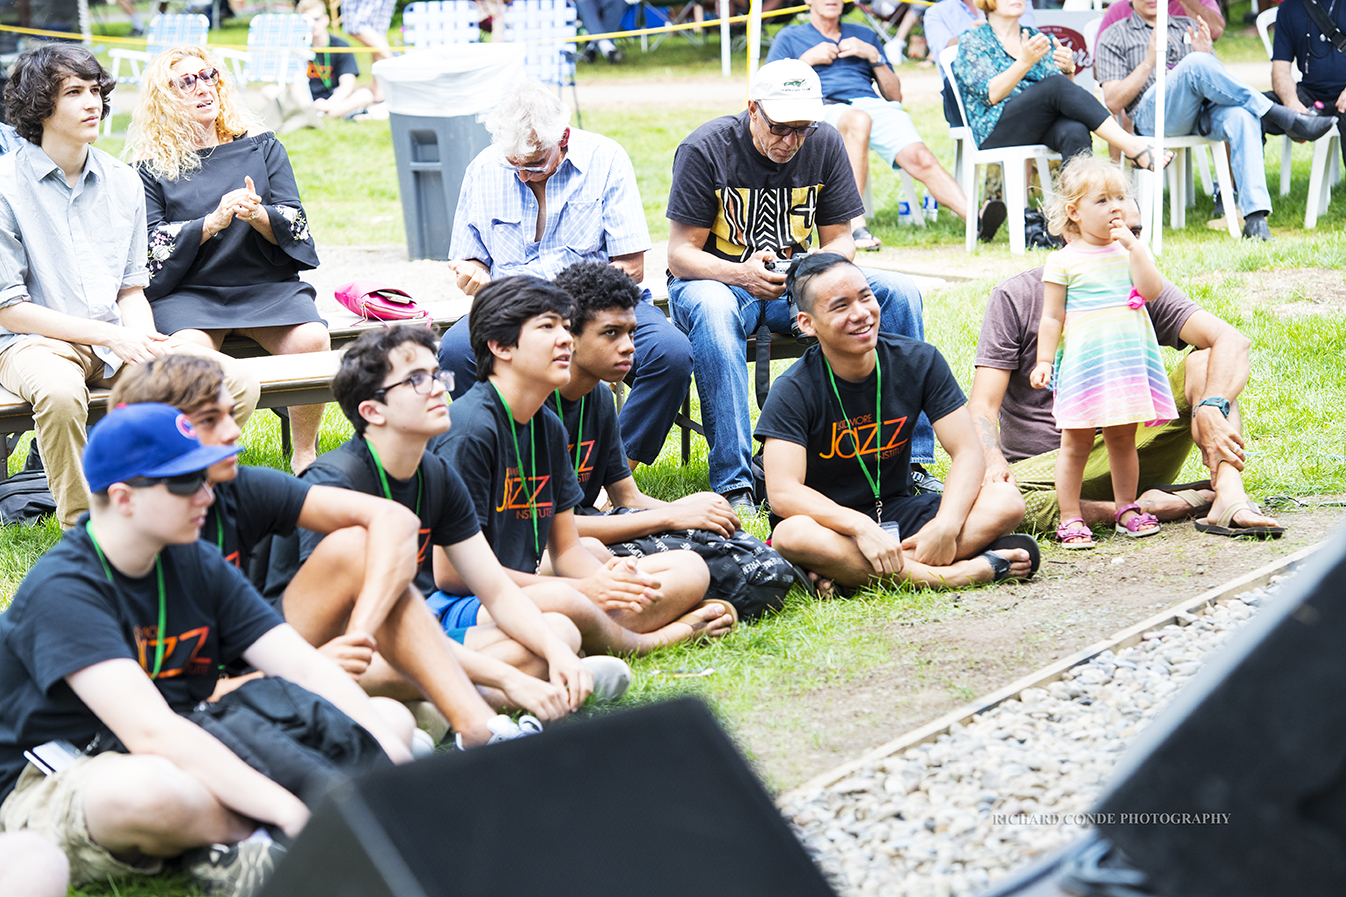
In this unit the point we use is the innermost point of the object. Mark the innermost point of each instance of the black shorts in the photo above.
(912, 513)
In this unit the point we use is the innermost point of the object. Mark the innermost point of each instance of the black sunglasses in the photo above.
(420, 381)
(182, 484)
(776, 130)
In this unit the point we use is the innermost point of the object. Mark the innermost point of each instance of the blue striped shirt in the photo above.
(594, 211)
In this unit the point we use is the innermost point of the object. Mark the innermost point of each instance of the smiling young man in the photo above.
(353, 595)
(73, 262)
(512, 453)
(118, 629)
(837, 442)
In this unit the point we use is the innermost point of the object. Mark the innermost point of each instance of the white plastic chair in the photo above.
(546, 29)
(438, 23)
(1326, 170)
(1011, 160)
(279, 48)
(165, 31)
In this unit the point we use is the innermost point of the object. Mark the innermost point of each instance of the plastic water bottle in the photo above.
(930, 208)
(904, 215)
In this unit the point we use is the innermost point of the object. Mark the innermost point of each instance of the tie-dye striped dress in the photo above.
(1108, 367)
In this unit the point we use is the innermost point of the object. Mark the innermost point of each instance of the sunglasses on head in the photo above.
(186, 83)
(420, 381)
(776, 130)
(182, 484)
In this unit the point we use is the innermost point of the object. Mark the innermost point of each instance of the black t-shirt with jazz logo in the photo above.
(481, 448)
(66, 617)
(325, 69)
(435, 494)
(750, 203)
(803, 409)
(601, 455)
(255, 505)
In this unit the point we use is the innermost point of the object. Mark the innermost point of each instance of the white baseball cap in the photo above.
(788, 90)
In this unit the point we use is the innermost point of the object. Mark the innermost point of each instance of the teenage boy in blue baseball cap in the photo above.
(122, 625)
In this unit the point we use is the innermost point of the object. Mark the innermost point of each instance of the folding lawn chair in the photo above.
(278, 50)
(546, 28)
(439, 23)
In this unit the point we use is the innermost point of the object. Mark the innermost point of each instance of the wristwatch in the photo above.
(1216, 402)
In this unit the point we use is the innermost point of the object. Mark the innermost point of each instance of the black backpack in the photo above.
(25, 497)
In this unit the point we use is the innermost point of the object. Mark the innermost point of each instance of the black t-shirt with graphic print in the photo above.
(751, 203)
(258, 503)
(325, 69)
(435, 494)
(481, 447)
(66, 616)
(803, 409)
(601, 459)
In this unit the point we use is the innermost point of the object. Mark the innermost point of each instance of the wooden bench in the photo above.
(286, 380)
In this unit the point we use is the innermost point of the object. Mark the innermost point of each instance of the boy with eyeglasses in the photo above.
(118, 629)
(73, 263)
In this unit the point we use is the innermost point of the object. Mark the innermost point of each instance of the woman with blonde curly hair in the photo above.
(227, 234)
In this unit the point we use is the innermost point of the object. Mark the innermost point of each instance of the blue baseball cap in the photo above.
(146, 440)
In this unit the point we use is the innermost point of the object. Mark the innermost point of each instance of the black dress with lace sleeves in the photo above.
(237, 278)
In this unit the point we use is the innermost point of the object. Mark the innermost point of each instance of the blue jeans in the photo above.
(1236, 118)
(718, 318)
(601, 16)
(660, 375)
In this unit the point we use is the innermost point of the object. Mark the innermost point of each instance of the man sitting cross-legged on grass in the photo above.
(390, 387)
(1020, 441)
(604, 325)
(512, 453)
(837, 452)
(117, 627)
(353, 595)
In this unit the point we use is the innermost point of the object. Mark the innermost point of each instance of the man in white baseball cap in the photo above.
(747, 190)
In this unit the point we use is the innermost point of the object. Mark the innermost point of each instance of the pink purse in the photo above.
(375, 301)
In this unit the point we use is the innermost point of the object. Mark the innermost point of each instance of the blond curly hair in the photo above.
(162, 136)
(1079, 177)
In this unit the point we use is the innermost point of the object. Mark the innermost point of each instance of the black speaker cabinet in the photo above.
(652, 802)
(1239, 787)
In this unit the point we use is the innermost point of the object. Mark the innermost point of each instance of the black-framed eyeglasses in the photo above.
(776, 130)
(420, 381)
(182, 484)
(187, 83)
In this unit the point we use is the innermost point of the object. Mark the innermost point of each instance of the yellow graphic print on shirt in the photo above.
(777, 218)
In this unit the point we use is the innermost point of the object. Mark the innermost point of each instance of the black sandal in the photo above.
(862, 234)
(1147, 154)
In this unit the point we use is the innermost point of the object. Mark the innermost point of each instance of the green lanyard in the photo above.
(383, 478)
(219, 528)
(579, 435)
(875, 481)
(163, 609)
(532, 473)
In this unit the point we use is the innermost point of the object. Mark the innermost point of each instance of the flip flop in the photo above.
(992, 215)
(1224, 525)
(1188, 492)
(1016, 540)
(865, 241)
(1149, 166)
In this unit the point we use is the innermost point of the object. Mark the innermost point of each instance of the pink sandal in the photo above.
(1075, 534)
(1139, 526)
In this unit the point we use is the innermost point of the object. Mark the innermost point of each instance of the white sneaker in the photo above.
(422, 744)
(505, 729)
(612, 677)
(234, 870)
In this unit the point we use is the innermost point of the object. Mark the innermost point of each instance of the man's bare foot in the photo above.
(1169, 506)
(1021, 565)
(824, 588)
(708, 620)
(1243, 517)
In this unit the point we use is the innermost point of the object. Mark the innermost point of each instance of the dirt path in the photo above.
(990, 637)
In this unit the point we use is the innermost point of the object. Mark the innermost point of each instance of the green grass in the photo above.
(1296, 437)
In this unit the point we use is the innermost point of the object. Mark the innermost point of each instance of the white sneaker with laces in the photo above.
(612, 677)
(505, 729)
(234, 870)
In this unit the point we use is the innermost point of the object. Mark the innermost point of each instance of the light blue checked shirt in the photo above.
(594, 211)
(72, 249)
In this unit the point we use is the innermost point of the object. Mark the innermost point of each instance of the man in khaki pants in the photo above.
(72, 263)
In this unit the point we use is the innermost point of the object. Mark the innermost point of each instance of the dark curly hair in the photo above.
(595, 287)
(502, 307)
(35, 82)
(365, 364)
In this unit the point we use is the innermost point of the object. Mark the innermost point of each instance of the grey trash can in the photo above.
(437, 101)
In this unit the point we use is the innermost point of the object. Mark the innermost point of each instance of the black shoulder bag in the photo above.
(1330, 31)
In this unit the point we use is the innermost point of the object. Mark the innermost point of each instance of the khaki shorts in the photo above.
(53, 807)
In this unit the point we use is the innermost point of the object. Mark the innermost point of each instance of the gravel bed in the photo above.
(949, 817)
